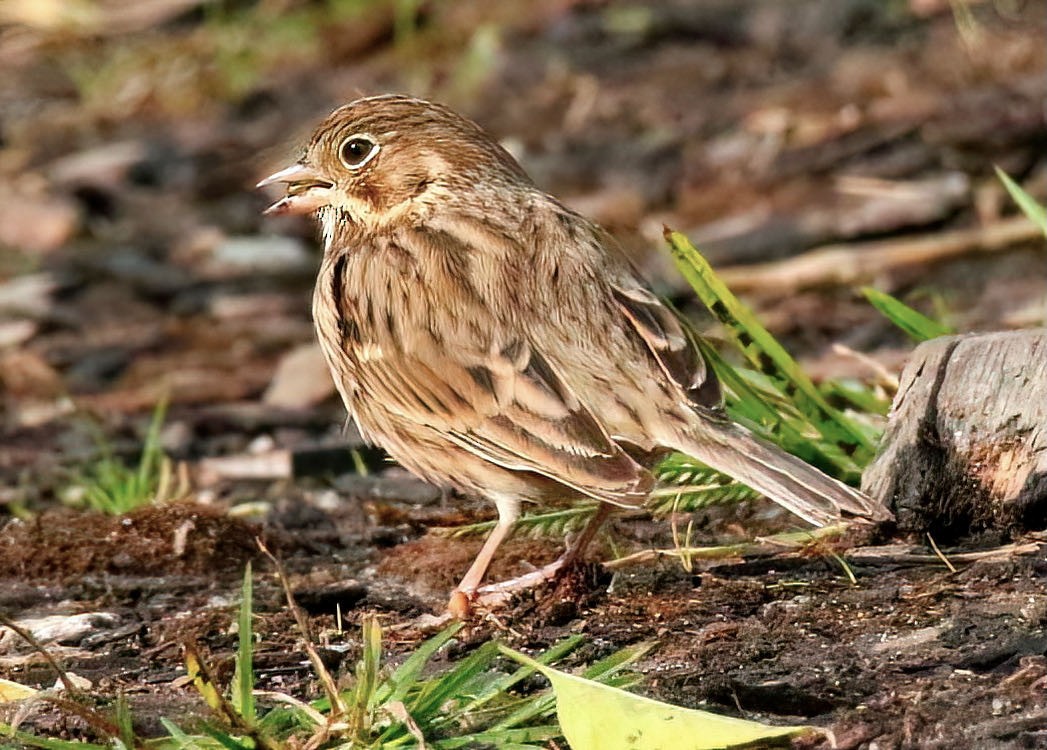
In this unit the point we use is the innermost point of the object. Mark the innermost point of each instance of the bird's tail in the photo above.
(784, 478)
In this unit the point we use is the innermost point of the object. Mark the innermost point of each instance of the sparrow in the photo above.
(494, 341)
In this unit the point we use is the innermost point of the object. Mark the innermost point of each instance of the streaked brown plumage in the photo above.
(493, 340)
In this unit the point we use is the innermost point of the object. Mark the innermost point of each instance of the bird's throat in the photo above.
(335, 225)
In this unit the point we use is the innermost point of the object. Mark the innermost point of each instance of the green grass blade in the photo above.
(283, 720)
(501, 686)
(396, 687)
(611, 665)
(915, 324)
(762, 350)
(183, 740)
(227, 740)
(860, 396)
(781, 423)
(363, 702)
(751, 401)
(541, 705)
(603, 671)
(692, 498)
(1036, 213)
(430, 700)
(507, 739)
(741, 394)
(243, 675)
(123, 721)
(111, 487)
(29, 740)
(559, 522)
(149, 464)
(686, 485)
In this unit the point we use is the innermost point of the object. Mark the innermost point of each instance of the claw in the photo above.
(460, 607)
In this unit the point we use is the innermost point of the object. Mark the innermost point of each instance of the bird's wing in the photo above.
(728, 447)
(508, 407)
(673, 349)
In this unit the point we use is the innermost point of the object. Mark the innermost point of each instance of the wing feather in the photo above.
(515, 413)
(672, 347)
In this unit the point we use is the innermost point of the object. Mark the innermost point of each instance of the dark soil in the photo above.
(135, 265)
(65, 545)
(906, 656)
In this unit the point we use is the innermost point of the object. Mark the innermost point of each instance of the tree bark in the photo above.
(965, 450)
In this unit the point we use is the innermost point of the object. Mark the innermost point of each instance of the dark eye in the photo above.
(356, 151)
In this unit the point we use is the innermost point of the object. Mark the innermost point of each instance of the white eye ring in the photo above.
(356, 150)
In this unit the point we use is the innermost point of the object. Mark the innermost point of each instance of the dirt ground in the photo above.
(911, 655)
(134, 264)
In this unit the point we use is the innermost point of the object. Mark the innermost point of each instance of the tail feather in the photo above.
(785, 479)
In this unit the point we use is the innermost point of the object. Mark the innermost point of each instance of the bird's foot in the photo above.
(497, 595)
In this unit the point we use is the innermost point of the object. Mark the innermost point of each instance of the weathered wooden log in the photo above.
(965, 450)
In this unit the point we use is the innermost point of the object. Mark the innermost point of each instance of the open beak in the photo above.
(306, 190)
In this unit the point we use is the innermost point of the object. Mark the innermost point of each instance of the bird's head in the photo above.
(383, 158)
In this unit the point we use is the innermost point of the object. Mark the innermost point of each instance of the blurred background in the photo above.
(135, 264)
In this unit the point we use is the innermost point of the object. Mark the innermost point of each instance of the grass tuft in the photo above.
(110, 486)
(479, 700)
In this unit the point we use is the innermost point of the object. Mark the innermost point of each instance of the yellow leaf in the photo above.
(13, 691)
(600, 717)
(201, 678)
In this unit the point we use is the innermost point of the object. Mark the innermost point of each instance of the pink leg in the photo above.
(498, 594)
(473, 576)
(579, 544)
(459, 604)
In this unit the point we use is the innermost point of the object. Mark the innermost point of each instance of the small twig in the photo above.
(642, 557)
(761, 547)
(398, 711)
(845, 264)
(29, 638)
(774, 545)
(94, 719)
(337, 704)
(675, 490)
(491, 617)
(884, 377)
(846, 568)
(645, 556)
(938, 552)
(305, 708)
(685, 559)
(897, 554)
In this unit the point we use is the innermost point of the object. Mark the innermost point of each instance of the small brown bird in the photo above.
(492, 340)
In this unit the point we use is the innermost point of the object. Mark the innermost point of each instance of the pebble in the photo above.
(66, 630)
(37, 223)
(258, 254)
(302, 379)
